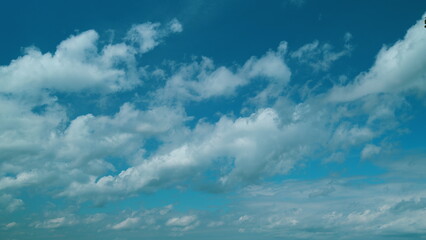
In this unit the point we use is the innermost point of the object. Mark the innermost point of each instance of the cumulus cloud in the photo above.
(256, 146)
(272, 67)
(106, 156)
(108, 70)
(78, 153)
(270, 141)
(397, 68)
(201, 80)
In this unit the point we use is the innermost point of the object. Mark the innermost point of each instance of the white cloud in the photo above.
(181, 221)
(346, 135)
(21, 180)
(145, 35)
(369, 151)
(320, 57)
(56, 222)
(166, 209)
(79, 152)
(9, 203)
(36, 72)
(255, 145)
(397, 68)
(184, 223)
(11, 225)
(48, 150)
(127, 223)
(272, 67)
(201, 80)
(148, 35)
(175, 26)
(270, 141)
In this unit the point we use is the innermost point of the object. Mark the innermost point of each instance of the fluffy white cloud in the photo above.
(271, 65)
(202, 80)
(79, 157)
(175, 26)
(255, 146)
(397, 68)
(35, 72)
(108, 69)
(268, 142)
(51, 156)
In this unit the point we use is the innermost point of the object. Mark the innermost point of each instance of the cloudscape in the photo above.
(282, 119)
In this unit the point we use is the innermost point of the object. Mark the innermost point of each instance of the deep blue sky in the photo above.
(241, 119)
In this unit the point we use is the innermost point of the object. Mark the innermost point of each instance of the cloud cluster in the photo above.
(146, 147)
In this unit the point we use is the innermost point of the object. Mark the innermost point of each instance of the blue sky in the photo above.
(291, 119)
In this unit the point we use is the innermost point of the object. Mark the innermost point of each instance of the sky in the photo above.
(238, 119)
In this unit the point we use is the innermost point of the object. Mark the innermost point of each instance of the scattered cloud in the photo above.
(320, 57)
(56, 222)
(184, 223)
(11, 225)
(9, 203)
(127, 223)
(148, 35)
(147, 146)
(369, 151)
